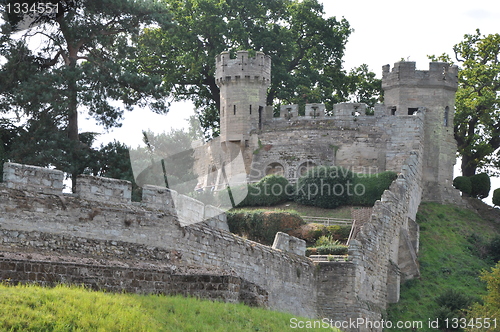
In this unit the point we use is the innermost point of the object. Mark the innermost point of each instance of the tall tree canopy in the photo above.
(76, 59)
(477, 117)
(306, 50)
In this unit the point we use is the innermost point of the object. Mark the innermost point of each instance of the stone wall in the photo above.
(144, 280)
(366, 144)
(118, 238)
(98, 229)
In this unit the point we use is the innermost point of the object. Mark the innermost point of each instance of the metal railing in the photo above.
(328, 221)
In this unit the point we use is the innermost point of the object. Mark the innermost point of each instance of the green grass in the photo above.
(304, 210)
(33, 308)
(447, 261)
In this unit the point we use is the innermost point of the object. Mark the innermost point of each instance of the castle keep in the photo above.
(99, 238)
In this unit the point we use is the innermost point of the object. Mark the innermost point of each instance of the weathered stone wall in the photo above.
(144, 280)
(367, 144)
(62, 222)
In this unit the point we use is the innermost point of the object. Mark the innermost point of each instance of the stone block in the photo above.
(103, 189)
(33, 178)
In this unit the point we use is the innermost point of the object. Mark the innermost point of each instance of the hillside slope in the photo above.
(451, 246)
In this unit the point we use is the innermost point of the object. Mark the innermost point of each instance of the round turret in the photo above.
(243, 84)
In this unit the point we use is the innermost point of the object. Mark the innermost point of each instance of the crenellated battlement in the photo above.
(113, 191)
(243, 68)
(439, 75)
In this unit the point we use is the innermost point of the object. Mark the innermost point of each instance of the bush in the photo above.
(325, 186)
(339, 233)
(496, 197)
(270, 190)
(493, 249)
(338, 249)
(372, 187)
(480, 185)
(463, 184)
(262, 226)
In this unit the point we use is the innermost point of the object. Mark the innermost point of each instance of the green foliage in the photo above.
(368, 188)
(491, 306)
(326, 241)
(363, 86)
(33, 308)
(338, 249)
(493, 249)
(270, 190)
(325, 187)
(496, 197)
(307, 62)
(477, 100)
(445, 262)
(167, 160)
(480, 185)
(262, 226)
(83, 63)
(463, 183)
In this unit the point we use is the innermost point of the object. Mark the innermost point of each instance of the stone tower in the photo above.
(406, 91)
(243, 84)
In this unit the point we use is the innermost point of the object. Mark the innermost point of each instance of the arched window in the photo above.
(275, 168)
(305, 167)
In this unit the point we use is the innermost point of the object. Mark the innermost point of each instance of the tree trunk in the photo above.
(73, 119)
(468, 166)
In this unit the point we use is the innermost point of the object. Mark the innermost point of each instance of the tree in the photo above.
(491, 307)
(83, 60)
(477, 116)
(363, 86)
(306, 50)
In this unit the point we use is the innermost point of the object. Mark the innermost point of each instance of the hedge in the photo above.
(480, 185)
(261, 226)
(368, 188)
(463, 184)
(325, 186)
(270, 190)
(496, 197)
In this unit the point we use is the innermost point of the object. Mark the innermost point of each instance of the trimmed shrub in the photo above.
(480, 185)
(368, 188)
(325, 186)
(338, 233)
(338, 249)
(496, 197)
(261, 226)
(463, 184)
(270, 190)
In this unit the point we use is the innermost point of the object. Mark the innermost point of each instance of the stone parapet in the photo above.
(103, 189)
(33, 178)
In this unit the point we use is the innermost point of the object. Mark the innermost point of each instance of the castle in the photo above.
(290, 144)
(98, 237)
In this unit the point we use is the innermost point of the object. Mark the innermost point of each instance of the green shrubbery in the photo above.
(270, 190)
(496, 197)
(477, 186)
(373, 186)
(261, 226)
(327, 245)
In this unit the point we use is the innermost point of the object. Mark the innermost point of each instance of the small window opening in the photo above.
(234, 110)
(393, 110)
(412, 111)
(250, 109)
(446, 114)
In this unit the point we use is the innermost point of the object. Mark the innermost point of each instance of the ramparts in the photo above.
(143, 247)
